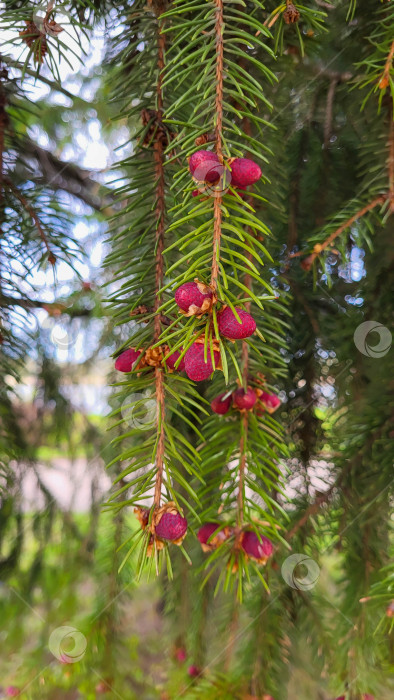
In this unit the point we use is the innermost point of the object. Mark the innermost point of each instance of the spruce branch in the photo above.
(33, 214)
(320, 247)
(217, 205)
(160, 210)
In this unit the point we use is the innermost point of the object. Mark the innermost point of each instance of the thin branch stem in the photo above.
(312, 509)
(322, 246)
(158, 154)
(390, 161)
(329, 112)
(217, 205)
(31, 211)
(385, 79)
(13, 63)
(160, 416)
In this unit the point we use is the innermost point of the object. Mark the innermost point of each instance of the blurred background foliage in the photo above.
(59, 555)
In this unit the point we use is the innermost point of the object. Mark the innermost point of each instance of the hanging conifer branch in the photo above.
(217, 206)
(158, 149)
(162, 455)
(320, 247)
(211, 223)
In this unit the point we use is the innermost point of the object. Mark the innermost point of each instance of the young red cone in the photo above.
(206, 531)
(171, 526)
(258, 549)
(193, 671)
(127, 360)
(220, 404)
(171, 360)
(205, 166)
(271, 402)
(102, 687)
(193, 297)
(196, 367)
(180, 655)
(244, 400)
(12, 691)
(231, 328)
(244, 172)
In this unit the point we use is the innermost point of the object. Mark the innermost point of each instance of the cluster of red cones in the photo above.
(195, 298)
(206, 167)
(245, 401)
(255, 545)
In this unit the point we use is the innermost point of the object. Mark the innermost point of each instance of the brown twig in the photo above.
(269, 22)
(312, 509)
(319, 247)
(31, 211)
(217, 205)
(54, 308)
(158, 154)
(390, 161)
(160, 415)
(329, 112)
(384, 81)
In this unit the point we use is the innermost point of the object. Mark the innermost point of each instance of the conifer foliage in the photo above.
(248, 261)
(191, 224)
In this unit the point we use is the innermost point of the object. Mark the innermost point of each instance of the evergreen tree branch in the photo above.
(217, 205)
(158, 154)
(56, 86)
(320, 247)
(68, 177)
(51, 307)
(33, 214)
